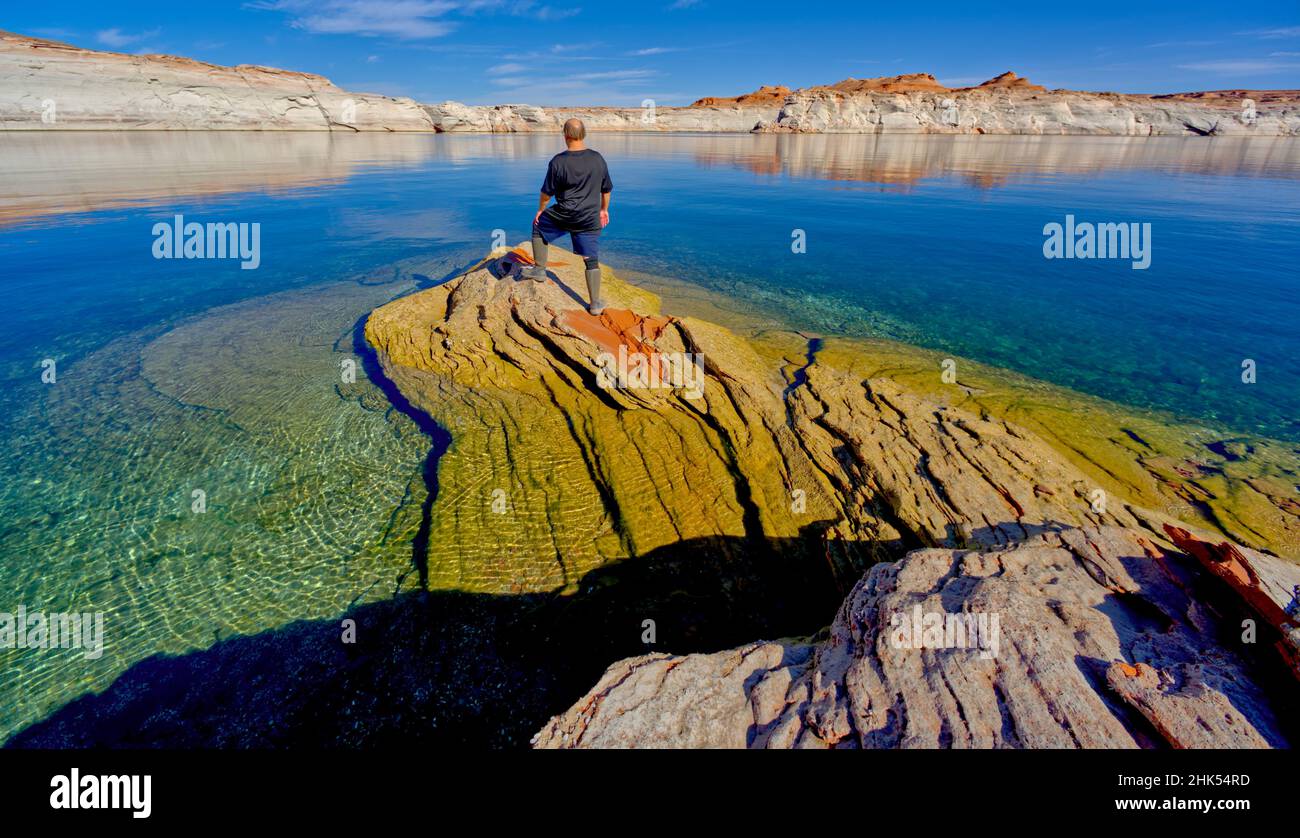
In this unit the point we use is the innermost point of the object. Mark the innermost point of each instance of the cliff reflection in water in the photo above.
(58, 173)
(989, 161)
(54, 173)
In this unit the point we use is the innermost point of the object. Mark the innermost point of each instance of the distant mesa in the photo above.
(770, 95)
(767, 95)
(1011, 81)
(907, 83)
(1233, 98)
(926, 83)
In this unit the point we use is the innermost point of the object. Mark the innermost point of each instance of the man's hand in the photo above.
(604, 218)
(542, 200)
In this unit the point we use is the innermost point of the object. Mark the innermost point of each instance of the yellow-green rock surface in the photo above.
(851, 455)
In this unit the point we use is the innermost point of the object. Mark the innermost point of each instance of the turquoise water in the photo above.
(183, 375)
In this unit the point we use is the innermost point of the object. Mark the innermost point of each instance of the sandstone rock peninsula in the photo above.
(47, 85)
(793, 474)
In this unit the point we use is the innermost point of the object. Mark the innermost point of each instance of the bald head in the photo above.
(574, 130)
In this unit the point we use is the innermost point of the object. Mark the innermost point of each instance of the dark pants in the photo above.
(586, 243)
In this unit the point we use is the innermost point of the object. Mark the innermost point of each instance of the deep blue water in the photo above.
(177, 375)
(936, 241)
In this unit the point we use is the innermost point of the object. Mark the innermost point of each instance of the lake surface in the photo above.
(178, 376)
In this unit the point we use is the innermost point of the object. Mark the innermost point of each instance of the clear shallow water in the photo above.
(181, 375)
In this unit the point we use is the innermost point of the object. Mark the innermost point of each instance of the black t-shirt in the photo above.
(577, 179)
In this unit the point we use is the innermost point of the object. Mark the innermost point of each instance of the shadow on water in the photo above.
(439, 440)
(453, 668)
(424, 281)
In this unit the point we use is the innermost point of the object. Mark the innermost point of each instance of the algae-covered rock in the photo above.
(550, 474)
(559, 465)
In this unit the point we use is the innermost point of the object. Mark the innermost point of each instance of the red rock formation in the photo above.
(907, 83)
(617, 327)
(1010, 81)
(766, 95)
(1263, 588)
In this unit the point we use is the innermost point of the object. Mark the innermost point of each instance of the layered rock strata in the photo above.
(48, 85)
(1108, 633)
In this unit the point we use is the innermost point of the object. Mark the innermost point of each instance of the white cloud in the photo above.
(552, 13)
(614, 87)
(1280, 32)
(518, 8)
(1242, 66)
(559, 49)
(620, 75)
(501, 69)
(656, 50)
(402, 19)
(1182, 44)
(406, 20)
(117, 39)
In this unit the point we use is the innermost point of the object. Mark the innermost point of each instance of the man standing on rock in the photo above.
(579, 180)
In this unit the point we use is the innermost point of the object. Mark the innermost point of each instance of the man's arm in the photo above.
(548, 189)
(606, 187)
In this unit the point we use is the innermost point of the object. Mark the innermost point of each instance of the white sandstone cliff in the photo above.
(47, 85)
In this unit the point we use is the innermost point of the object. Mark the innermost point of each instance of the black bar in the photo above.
(1053, 789)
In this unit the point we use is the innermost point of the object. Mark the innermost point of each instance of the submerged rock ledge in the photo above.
(1111, 634)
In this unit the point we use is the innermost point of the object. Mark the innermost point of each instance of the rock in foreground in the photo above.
(1103, 639)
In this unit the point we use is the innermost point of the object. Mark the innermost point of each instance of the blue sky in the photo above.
(566, 52)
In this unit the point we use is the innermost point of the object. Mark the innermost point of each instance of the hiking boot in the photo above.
(593, 291)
